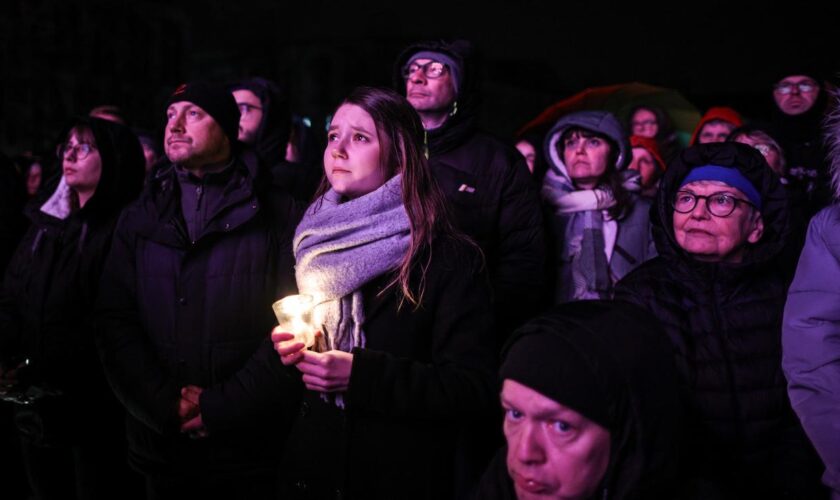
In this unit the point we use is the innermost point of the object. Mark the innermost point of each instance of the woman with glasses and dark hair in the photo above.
(407, 357)
(718, 287)
(69, 422)
(597, 226)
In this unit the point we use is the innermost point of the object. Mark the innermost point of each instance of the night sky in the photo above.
(61, 58)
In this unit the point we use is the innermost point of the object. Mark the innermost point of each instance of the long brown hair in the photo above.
(400, 130)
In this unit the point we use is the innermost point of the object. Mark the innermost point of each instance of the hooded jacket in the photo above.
(628, 358)
(627, 240)
(489, 190)
(716, 113)
(49, 289)
(724, 323)
(268, 152)
(800, 137)
(811, 332)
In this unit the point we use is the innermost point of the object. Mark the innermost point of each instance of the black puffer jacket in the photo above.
(51, 283)
(174, 312)
(490, 192)
(724, 322)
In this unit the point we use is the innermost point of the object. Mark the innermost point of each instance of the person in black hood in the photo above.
(486, 182)
(800, 106)
(591, 408)
(720, 224)
(46, 302)
(264, 129)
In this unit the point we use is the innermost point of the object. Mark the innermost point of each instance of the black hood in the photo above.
(629, 359)
(793, 129)
(750, 162)
(123, 167)
(461, 124)
(273, 132)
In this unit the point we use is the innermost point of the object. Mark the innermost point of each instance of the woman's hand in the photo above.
(290, 351)
(326, 371)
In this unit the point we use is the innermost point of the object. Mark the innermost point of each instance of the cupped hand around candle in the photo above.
(326, 371)
(289, 349)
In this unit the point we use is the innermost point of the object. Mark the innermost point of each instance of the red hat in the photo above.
(648, 143)
(717, 113)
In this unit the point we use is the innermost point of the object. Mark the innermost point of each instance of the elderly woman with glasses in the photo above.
(720, 224)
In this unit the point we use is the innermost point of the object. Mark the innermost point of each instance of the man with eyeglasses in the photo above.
(490, 193)
(800, 105)
(486, 181)
(185, 310)
(721, 223)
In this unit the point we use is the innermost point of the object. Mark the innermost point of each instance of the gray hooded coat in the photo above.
(628, 241)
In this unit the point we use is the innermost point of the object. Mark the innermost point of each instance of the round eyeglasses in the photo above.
(432, 69)
(80, 150)
(717, 204)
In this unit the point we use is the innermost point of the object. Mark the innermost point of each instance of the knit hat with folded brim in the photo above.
(216, 100)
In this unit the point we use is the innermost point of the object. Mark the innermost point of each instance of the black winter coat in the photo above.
(48, 293)
(491, 194)
(724, 322)
(174, 312)
(422, 375)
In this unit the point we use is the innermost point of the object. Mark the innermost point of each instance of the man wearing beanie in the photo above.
(185, 310)
(487, 182)
(591, 408)
(490, 194)
(721, 224)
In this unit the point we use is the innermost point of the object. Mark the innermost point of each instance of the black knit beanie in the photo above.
(549, 364)
(216, 100)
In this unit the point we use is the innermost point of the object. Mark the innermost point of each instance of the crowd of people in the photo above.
(595, 312)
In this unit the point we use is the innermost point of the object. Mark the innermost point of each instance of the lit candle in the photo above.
(294, 315)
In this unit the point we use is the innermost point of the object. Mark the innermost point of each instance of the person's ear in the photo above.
(757, 229)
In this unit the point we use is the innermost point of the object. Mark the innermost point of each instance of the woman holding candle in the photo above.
(407, 352)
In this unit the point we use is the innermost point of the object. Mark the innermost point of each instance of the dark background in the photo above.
(61, 58)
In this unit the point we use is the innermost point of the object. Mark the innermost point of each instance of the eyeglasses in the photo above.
(245, 108)
(787, 87)
(431, 69)
(718, 204)
(80, 150)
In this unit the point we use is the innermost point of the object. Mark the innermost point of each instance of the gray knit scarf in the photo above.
(339, 247)
(583, 238)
